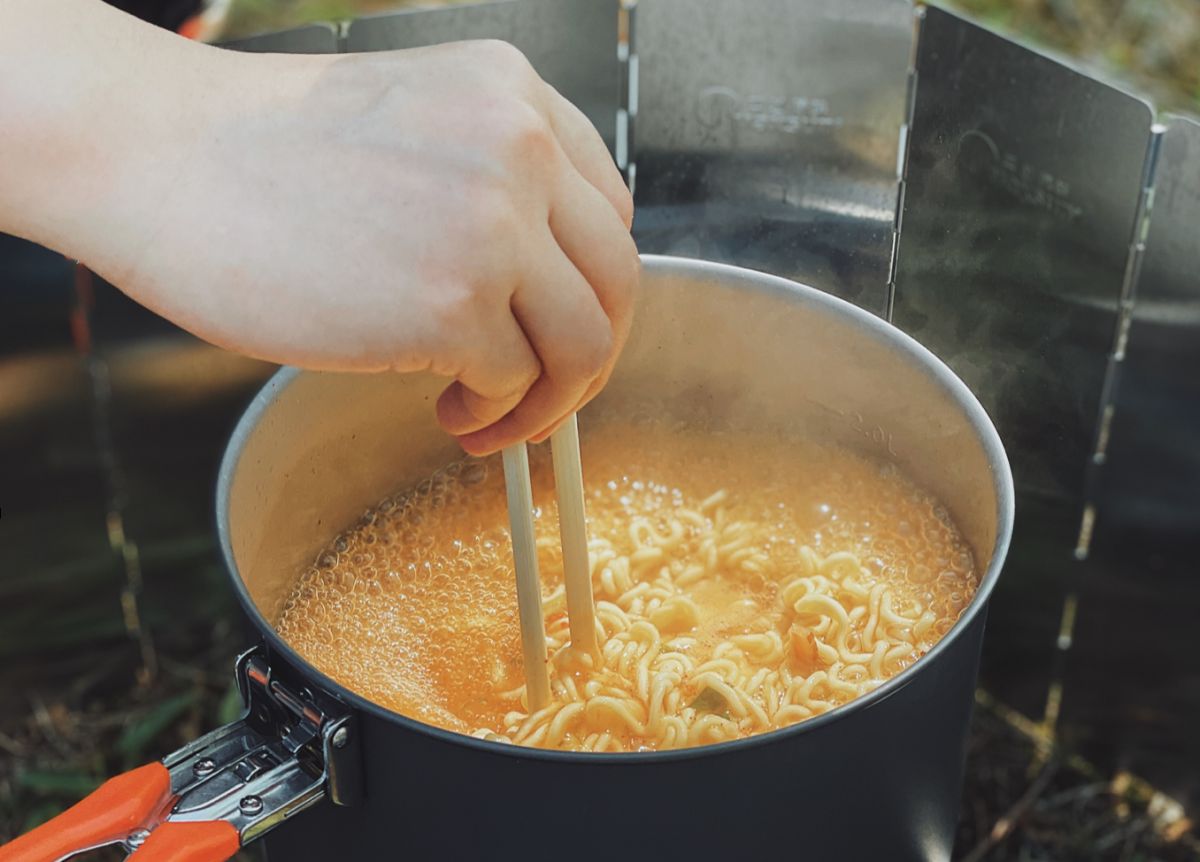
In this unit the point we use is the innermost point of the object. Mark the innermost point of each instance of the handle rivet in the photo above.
(204, 766)
(250, 805)
(137, 838)
(340, 737)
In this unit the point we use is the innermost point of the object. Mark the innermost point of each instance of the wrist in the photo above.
(97, 116)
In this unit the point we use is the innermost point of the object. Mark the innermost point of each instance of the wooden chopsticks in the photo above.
(577, 574)
(568, 485)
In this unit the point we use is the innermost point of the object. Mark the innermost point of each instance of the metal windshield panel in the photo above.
(571, 43)
(1151, 475)
(767, 132)
(1023, 185)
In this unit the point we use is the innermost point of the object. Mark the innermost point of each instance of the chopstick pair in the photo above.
(568, 487)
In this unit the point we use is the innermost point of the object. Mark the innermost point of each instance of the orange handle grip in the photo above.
(113, 810)
(192, 27)
(210, 841)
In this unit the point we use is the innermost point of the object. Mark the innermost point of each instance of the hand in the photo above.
(438, 208)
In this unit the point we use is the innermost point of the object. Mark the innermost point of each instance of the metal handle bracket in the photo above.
(289, 750)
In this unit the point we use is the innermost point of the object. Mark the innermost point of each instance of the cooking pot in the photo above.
(877, 778)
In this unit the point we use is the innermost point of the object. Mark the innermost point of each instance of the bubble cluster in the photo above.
(414, 606)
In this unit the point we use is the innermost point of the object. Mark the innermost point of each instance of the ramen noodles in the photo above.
(743, 583)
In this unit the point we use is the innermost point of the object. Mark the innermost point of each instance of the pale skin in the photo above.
(434, 209)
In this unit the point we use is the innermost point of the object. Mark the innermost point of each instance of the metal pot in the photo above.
(878, 778)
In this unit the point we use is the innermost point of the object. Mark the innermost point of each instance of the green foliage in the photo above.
(231, 706)
(143, 730)
(248, 17)
(41, 813)
(1152, 45)
(69, 783)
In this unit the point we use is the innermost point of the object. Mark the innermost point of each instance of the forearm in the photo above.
(440, 208)
(93, 105)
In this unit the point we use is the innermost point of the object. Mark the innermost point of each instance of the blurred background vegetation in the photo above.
(1153, 46)
(80, 698)
(250, 17)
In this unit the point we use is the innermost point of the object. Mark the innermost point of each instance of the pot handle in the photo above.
(114, 813)
(291, 749)
(211, 841)
(109, 813)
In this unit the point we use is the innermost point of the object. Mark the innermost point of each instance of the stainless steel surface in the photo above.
(1138, 592)
(257, 772)
(1021, 193)
(1152, 471)
(315, 450)
(766, 135)
(571, 43)
(973, 292)
(313, 39)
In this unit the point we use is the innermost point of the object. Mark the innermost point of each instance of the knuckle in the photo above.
(527, 136)
(512, 387)
(497, 223)
(624, 204)
(618, 290)
(630, 277)
(510, 395)
(441, 365)
(454, 311)
(528, 373)
(591, 353)
(503, 56)
(490, 226)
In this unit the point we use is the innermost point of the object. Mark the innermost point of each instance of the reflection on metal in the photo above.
(313, 39)
(767, 133)
(627, 87)
(910, 99)
(629, 91)
(280, 758)
(1022, 193)
(571, 43)
(1152, 476)
(1116, 357)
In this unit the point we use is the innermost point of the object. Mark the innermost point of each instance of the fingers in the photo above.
(587, 152)
(572, 335)
(572, 310)
(593, 236)
(576, 311)
(597, 242)
(497, 372)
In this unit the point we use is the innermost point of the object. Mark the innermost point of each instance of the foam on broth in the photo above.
(415, 606)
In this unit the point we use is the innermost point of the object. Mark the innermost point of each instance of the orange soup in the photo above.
(742, 583)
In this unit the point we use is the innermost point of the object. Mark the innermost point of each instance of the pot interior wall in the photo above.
(711, 345)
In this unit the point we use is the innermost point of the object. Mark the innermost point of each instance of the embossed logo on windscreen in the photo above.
(980, 155)
(789, 115)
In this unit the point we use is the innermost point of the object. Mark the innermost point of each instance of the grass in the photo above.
(77, 703)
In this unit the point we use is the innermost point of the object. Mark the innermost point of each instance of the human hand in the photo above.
(439, 208)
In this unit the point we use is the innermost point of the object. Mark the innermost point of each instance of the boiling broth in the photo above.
(729, 550)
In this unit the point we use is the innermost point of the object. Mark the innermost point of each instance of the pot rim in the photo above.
(881, 329)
